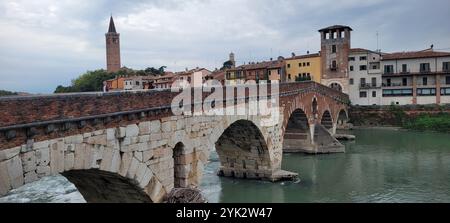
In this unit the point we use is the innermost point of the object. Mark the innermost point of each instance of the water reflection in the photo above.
(380, 166)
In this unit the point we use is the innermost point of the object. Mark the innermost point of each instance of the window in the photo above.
(363, 94)
(300, 64)
(446, 66)
(363, 58)
(289, 65)
(327, 36)
(351, 81)
(388, 69)
(405, 81)
(404, 68)
(425, 81)
(351, 68)
(374, 94)
(374, 81)
(351, 59)
(342, 34)
(289, 76)
(137, 82)
(363, 67)
(426, 91)
(425, 67)
(307, 64)
(304, 64)
(388, 82)
(374, 67)
(333, 49)
(333, 65)
(397, 92)
(362, 81)
(278, 71)
(445, 91)
(447, 80)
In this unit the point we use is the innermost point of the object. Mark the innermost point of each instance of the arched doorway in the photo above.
(336, 86)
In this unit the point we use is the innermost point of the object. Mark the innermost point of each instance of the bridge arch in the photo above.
(180, 172)
(243, 151)
(98, 186)
(297, 135)
(342, 118)
(326, 120)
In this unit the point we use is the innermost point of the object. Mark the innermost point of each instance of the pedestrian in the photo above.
(105, 87)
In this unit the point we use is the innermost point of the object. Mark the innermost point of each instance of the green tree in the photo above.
(7, 93)
(89, 81)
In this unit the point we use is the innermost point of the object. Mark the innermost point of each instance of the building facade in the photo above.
(265, 71)
(364, 77)
(419, 77)
(304, 67)
(112, 48)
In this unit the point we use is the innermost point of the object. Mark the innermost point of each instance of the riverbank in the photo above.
(434, 118)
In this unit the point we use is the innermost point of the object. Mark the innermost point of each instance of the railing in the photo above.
(369, 86)
(409, 73)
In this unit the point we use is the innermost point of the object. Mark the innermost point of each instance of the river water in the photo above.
(380, 166)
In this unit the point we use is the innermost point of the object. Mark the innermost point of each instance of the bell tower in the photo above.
(112, 48)
(335, 48)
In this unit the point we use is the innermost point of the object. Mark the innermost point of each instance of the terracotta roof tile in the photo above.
(415, 54)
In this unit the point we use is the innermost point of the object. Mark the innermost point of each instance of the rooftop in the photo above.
(415, 54)
(304, 56)
(335, 27)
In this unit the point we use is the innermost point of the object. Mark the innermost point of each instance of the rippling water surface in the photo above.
(380, 166)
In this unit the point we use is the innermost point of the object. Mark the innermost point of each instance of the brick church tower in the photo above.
(335, 49)
(112, 48)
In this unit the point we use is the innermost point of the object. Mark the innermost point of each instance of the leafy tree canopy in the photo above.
(93, 80)
(7, 93)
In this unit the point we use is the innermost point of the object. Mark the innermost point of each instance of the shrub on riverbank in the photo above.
(440, 123)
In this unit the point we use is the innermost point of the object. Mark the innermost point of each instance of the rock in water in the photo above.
(185, 195)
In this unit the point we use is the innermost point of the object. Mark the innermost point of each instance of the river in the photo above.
(380, 166)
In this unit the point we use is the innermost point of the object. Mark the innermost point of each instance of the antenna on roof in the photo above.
(378, 49)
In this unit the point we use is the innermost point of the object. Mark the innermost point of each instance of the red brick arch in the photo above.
(304, 102)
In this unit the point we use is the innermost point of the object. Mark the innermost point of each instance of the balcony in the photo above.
(395, 85)
(369, 86)
(408, 73)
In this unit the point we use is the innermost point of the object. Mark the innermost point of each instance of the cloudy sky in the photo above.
(50, 42)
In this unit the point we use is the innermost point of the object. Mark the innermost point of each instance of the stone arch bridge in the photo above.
(129, 147)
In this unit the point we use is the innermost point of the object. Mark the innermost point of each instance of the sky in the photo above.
(47, 43)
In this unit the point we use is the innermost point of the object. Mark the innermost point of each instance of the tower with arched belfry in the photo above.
(112, 48)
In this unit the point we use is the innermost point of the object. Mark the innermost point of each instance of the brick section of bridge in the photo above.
(47, 117)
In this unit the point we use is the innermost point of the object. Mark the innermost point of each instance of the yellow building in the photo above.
(304, 67)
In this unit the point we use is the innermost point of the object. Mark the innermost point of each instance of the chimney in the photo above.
(293, 54)
(271, 59)
(187, 69)
(307, 52)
